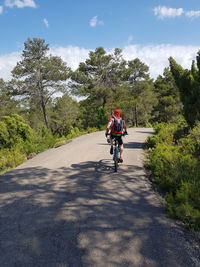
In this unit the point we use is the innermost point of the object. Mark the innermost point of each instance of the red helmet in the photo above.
(117, 112)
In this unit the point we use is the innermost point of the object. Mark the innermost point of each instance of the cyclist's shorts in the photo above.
(118, 138)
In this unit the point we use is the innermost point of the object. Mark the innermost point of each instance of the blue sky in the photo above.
(149, 29)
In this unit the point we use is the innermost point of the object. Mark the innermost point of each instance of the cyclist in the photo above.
(116, 126)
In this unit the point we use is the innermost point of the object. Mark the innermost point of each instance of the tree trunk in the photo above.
(136, 115)
(44, 112)
(41, 92)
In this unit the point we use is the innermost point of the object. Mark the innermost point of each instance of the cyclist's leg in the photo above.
(121, 150)
(121, 147)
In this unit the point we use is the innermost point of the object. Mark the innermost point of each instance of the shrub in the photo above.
(18, 141)
(4, 135)
(184, 204)
(176, 170)
(14, 130)
(165, 134)
(194, 136)
(10, 158)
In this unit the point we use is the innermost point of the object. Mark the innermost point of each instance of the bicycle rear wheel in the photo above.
(116, 160)
(115, 165)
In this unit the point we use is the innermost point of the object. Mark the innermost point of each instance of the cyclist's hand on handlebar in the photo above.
(125, 133)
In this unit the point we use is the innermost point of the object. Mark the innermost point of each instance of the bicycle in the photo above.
(116, 153)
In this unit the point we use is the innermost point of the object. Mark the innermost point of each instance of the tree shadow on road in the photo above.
(134, 145)
(85, 215)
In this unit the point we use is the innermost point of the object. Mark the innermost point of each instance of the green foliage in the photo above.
(4, 135)
(64, 115)
(38, 76)
(188, 82)
(165, 134)
(10, 158)
(108, 81)
(169, 106)
(194, 136)
(8, 104)
(39, 142)
(18, 140)
(184, 204)
(14, 130)
(176, 170)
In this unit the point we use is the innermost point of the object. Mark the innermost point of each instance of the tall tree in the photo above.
(64, 114)
(139, 87)
(169, 106)
(108, 81)
(97, 79)
(188, 82)
(38, 75)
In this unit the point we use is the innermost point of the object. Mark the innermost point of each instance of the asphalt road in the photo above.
(67, 208)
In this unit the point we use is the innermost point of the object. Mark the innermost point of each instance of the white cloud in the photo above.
(130, 39)
(193, 13)
(20, 3)
(156, 57)
(73, 55)
(1, 9)
(7, 63)
(167, 12)
(46, 23)
(94, 22)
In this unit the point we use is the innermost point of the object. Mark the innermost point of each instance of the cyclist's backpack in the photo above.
(118, 125)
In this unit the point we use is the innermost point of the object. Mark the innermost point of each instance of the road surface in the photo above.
(67, 208)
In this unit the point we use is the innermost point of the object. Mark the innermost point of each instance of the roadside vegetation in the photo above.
(174, 152)
(18, 141)
(46, 103)
(174, 162)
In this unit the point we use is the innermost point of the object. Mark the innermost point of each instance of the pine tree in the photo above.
(188, 82)
(38, 75)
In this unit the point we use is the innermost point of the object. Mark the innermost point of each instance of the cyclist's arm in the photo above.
(124, 127)
(108, 129)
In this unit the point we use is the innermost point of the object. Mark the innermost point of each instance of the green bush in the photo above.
(152, 141)
(194, 136)
(18, 140)
(164, 134)
(13, 131)
(10, 158)
(91, 129)
(184, 204)
(163, 164)
(4, 135)
(175, 168)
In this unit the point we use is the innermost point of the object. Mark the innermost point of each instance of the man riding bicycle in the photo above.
(115, 128)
